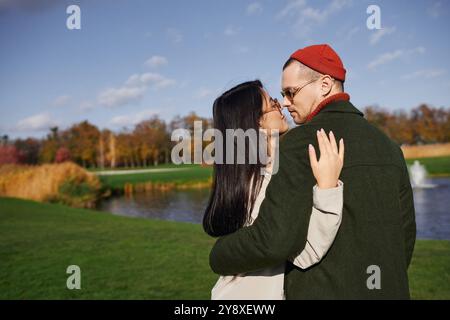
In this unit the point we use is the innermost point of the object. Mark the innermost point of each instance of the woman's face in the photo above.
(273, 117)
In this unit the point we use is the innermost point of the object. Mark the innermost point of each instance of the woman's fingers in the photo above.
(321, 143)
(341, 150)
(333, 143)
(326, 142)
(312, 157)
(328, 145)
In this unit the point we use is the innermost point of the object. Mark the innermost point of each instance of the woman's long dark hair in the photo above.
(235, 186)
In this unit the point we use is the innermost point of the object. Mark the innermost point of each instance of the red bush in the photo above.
(9, 154)
(62, 155)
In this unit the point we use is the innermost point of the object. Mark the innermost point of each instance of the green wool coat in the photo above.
(372, 250)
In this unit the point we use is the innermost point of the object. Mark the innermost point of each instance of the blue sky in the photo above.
(133, 59)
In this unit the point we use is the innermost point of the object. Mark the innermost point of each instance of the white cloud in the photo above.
(114, 97)
(132, 119)
(61, 101)
(376, 36)
(394, 55)
(425, 73)
(154, 80)
(86, 106)
(291, 8)
(38, 122)
(314, 15)
(156, 61)
(307, 17)
(133, 89)
(174, 35)
(230, 31)
(254, 8)
(385, 58)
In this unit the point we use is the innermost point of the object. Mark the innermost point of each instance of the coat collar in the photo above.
(341, 106)
(341, 96)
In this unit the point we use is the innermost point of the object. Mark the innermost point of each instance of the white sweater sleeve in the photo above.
(323, 226)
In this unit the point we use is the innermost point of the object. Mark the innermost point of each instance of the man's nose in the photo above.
(286, 102)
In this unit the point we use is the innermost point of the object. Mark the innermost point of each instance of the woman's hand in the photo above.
(328, 168)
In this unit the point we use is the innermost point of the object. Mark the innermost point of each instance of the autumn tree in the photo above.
(49, 146)
(123, 150)
(430, 124)
(62, 155)
(29, 149)
(423, 124)
(82, 139)
(152, 140)
(9, 154)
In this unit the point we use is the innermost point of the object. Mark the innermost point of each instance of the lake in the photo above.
(432, 207)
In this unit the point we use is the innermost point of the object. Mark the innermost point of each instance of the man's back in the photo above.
(373, 248)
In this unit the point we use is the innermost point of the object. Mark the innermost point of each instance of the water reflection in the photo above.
(433, 210)
(185, 205)
(432, 207)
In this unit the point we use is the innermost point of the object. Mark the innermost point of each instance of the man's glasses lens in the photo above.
(286, 94)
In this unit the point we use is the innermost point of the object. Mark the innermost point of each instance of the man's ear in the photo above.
(326, 84)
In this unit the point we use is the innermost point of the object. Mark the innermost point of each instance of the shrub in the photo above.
(65, 183)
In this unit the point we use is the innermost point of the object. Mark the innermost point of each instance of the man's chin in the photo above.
(297, 119)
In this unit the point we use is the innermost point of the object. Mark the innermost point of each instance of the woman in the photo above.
(239, 189)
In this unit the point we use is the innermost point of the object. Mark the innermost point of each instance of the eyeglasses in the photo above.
(292, 92)
(274, 106)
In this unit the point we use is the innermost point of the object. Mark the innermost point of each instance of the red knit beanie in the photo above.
(321, 58)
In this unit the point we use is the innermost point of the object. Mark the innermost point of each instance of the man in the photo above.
(373, 248)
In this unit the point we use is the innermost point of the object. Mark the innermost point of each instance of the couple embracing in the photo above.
(337, 219)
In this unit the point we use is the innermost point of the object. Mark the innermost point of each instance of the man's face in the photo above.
(303, 102)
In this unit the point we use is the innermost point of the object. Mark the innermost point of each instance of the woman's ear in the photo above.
(326, 84)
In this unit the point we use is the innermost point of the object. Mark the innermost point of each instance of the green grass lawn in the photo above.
(439, 166)
(192, 173)
(132, 258)
(120, 258)
(429, 273)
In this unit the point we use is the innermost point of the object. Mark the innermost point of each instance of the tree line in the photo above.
(421, 125)
(149, 142)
